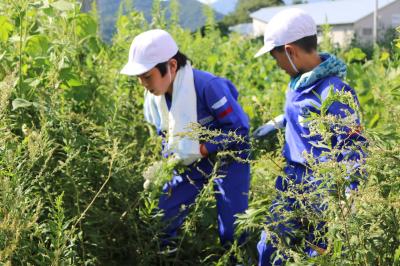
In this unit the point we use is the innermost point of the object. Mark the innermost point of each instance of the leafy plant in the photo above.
(74, 147)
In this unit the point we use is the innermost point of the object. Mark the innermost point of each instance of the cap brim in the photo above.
(135, 69)
(265, 49)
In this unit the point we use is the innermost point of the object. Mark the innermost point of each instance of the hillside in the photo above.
(191, 13)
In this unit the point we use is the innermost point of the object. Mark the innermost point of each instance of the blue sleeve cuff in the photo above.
(211, 147)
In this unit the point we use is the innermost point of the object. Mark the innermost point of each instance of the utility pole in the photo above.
(375, 26)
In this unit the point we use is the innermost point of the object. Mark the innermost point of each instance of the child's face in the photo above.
(155, 83)
(283, 62)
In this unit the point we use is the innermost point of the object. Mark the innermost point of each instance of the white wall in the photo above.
(340, 35)
(388, 18)
(258, 27)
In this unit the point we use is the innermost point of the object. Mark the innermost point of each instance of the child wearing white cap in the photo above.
(176, 96)
(291, 38)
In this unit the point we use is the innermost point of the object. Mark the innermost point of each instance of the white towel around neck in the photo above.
(177, 120)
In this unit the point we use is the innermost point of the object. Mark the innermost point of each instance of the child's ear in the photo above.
(290, 49)
(173, 65)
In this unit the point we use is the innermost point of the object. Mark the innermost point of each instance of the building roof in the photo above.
(331, 12)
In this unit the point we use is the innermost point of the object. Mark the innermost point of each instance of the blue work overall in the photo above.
(217, 109)
(299, 104)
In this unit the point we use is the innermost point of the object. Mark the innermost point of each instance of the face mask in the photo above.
(291, 62)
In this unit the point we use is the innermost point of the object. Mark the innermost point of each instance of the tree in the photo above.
(296, 2)
(245, 7)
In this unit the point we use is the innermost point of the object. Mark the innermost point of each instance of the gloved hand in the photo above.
(151, 173)
(160, 171)
(270, 127)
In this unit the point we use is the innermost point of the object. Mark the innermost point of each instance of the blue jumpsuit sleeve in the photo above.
(221, 96)
(349, 138)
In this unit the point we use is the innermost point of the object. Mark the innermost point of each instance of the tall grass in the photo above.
(74, 147)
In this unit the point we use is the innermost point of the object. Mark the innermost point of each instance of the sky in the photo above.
(226, 6)
(310, 1)
(286, 1)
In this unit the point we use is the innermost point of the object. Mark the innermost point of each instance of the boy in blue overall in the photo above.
(290, 37)
(176, 96)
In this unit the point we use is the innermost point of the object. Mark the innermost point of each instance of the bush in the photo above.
(74, 147)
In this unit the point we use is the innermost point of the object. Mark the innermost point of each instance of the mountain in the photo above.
(221, 6)
(190, 13)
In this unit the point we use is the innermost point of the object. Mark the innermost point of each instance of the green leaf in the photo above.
(33, 82)
(337, 248)
(74, 83)
(37, 45)
(63, 5)
(384, 56)
(374, 121)
(5, 28)
(355, 54)
(20, 103)
(397, 255)
(85, 26)
(249, 110)
(212, 60)
(93, 44)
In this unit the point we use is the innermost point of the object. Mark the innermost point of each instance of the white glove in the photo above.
(151, 173)
(157, 173)
(270, 127)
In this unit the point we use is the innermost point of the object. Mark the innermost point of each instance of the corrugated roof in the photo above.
(331, 12)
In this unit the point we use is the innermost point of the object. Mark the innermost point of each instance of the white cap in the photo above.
(149, 49)
(286, 27)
